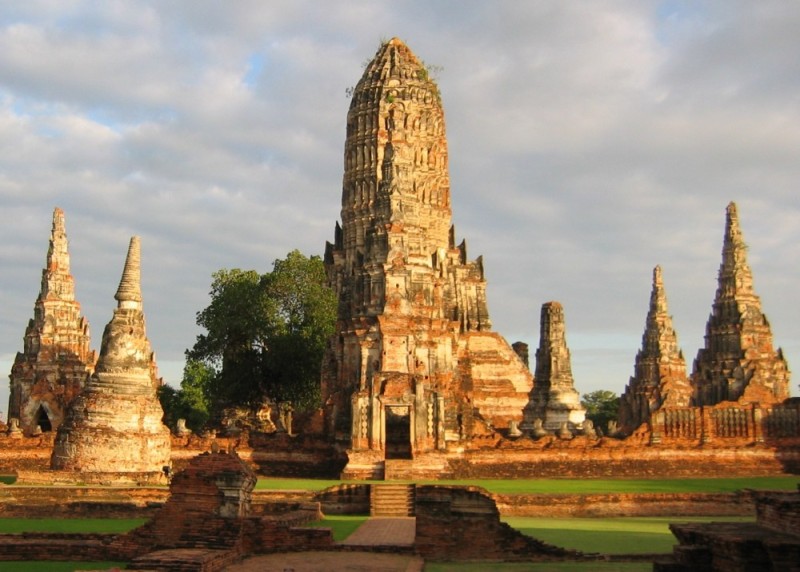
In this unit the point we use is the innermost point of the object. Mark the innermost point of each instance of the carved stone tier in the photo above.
(114, 425)
(659, 377)
(553, 398)
(56, 360)
(413, 364)
(738, 362)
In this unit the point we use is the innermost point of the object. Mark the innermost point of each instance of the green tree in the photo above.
(601, 406)
(190, 401)
(266, 334)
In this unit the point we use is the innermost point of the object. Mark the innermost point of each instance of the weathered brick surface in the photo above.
(114, 425)
(97, 547)
(56, 359)
(412, 364)
(623, 505)
(659, 378)
(456, 523)
(204, 524)
(553, 399)
(738, 362)
(772, 543)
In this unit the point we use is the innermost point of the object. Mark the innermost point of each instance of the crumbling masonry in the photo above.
(56, 360)
(413, 365)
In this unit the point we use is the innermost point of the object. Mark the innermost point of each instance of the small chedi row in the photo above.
(104, 408)
(414, 381)
(738, 370)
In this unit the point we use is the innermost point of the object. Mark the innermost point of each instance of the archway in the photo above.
(43, 420)
(398, 432)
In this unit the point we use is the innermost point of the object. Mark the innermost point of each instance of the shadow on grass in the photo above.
(342, 526)
(631, 535)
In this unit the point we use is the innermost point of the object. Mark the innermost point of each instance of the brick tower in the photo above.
(413, 364)
(659, 378)
(738, 362)
(114, 425)
(554, 398)
(56, 360)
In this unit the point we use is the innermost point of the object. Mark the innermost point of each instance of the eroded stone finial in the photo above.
(658, 299)
(129, 293)
(56, 279)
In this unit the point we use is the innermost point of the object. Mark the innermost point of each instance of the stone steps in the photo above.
(391, 500)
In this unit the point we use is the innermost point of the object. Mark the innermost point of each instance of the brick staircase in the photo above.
(391, 500)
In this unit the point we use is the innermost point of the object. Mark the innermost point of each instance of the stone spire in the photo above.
(129, 293)
(114, 425)
(738, 362)
(410, 301)
(553, 399)
(659, 378)
(56, 359)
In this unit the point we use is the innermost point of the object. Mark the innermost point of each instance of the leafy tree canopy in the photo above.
(190, 401)
(601, 407)
(266, 334)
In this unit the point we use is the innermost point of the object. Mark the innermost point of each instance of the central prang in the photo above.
(413, 365)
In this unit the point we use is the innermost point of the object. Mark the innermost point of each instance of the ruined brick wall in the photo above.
(56, 359)
(772, 543)
(570, 459)
(726, 424)
(54, 547)
(464, 524)
(626, 505)
(778, 511)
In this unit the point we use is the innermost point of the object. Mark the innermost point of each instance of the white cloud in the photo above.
(588, 142)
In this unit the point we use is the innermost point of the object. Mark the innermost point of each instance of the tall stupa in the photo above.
(413, 366)
(114, 426)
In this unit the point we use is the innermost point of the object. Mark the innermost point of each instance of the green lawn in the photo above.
(629, 535)
(73, 525)
(571, 486)
(342, 526)
(539, 567)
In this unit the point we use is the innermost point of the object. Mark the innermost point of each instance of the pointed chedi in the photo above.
(659, 378)
(114, 426)
(413, 365)
(56, 359)
(738, 362)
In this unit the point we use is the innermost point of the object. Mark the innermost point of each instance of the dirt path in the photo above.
(384, 531)
(329, 562)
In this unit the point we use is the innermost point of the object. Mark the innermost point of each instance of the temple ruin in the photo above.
(553, 399)
(413, 366)
(659, 378)
(114, 425)
(738, 362)
(56, 359)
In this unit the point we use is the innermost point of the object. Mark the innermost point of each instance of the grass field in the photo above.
(72, 525)
(630, 535)
(570, 486)
(341, 526)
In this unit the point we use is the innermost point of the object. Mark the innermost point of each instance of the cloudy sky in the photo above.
(589, 141)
